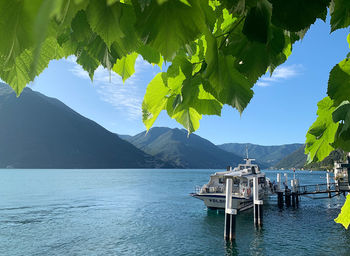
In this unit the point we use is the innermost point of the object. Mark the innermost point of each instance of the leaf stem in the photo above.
(230, 31)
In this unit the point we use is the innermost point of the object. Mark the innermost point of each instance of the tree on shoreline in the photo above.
(218, 49)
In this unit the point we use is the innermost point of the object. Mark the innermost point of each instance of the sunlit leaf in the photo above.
(339, 82)
(125, 66)
(342, 114)
(321, 134)
(344, 216)
(154, 100)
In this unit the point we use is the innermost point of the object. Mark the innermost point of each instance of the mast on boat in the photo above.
(248, 161)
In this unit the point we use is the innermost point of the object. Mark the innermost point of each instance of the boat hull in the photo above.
(218, 201)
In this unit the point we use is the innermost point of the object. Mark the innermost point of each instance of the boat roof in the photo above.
(243, 174)
(238, 172)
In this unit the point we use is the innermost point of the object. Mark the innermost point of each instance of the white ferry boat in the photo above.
(213, 193)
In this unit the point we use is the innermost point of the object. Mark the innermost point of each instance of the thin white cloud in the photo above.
(280, 74)
(124, 97)
(71, 59)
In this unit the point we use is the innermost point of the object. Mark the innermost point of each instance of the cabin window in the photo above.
(235, 181)
(221, 180)
(261, 180)
(241, 168)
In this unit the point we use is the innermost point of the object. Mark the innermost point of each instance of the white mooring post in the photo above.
(286, 179)
(296, 189)
(292, 185)
(278, 181)
(279, 192)
(258, 204)
(328, 184)
(230, 213)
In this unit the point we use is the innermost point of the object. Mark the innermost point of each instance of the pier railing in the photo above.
(317, 188)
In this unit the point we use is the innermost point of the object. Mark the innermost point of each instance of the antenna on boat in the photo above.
(246, 151)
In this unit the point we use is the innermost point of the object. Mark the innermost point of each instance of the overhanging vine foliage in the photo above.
(217, 49)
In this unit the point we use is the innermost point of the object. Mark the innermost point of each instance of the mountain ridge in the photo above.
(37, 131)
(268, 155)
(185, 151)
(42, 132)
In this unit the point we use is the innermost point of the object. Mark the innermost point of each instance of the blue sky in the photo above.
(281, 111)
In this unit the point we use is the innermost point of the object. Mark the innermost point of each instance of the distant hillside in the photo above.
(41, 132)
(124, 137)
(268, 155)
(173, 145)
(298, 160)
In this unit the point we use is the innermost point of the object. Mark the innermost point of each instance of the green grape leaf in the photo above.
(65, 11)
(183, 114)
(88, 63)
(188, 117)
(228, 20)
(182, 97)
(225, 82)
(200, 48)
(18, 75)
(155, 99)
(344, 216)
(297, 15)
(17, 19)
(253, 58)
(257, 22)
(322, 132)
(81, 30)
(98, 49)
(125, 66)
(151, 55)
(104, 20)
(193, 95)
(339, 82)
(342, 114)
(180, 64)
(342, 137)
(171, 25)
(206, 104)
(340, 14)
(114, 24)
(53, 18)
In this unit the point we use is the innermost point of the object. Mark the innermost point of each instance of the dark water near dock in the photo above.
(150, 212)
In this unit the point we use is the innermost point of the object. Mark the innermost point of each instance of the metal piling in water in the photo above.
(230, 213)
(258, 204)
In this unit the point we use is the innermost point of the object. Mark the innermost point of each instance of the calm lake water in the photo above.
(150, 212)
